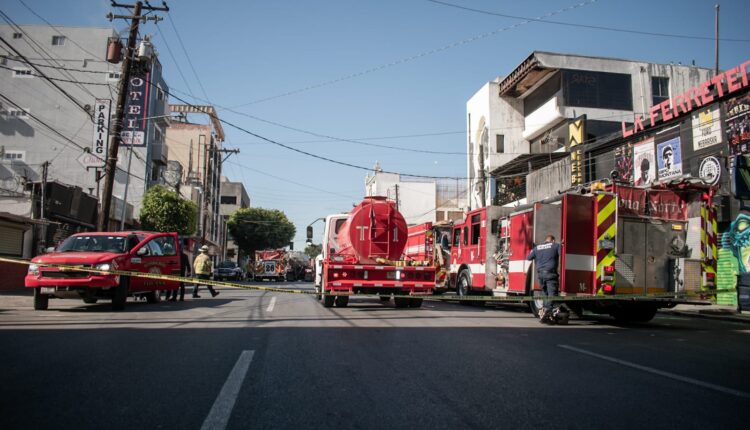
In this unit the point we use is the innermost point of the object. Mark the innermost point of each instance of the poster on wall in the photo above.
(669, 158)
(706, 128)
(644, 167)
(738, 124)
(624, 163)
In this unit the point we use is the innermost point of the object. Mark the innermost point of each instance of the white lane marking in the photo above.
(271, 305)
(218, 417)
(670, 375)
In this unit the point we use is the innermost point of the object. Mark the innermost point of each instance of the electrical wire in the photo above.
(589, 26)
(413, 57)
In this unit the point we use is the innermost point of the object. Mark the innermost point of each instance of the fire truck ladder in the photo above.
(383, 246)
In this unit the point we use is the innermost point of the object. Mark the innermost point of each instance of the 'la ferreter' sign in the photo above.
(136, 108)
(728, 82)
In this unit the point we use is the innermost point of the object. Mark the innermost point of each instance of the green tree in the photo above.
(312, 250)
(256, 228)
(166, 210)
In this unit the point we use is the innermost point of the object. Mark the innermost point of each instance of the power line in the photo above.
(66, 138)
(593, 27)
(187, 56)
(59, 79)
(65, 93)
(46, 56)
(179, 69)
(11, 58)
(414, 57)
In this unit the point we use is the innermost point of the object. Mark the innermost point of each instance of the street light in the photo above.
(310, 230)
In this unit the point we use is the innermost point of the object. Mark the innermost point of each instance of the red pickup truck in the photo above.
(134, 251)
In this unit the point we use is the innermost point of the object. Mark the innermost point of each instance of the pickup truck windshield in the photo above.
(93, 243)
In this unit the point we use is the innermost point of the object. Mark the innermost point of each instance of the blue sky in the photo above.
(252, 50)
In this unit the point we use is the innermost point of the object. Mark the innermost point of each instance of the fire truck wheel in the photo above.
(120, 295)
(41, 301)
(536, 304)
(639, 313)
(342, 301)
(463, 287)
(415, 303)
(153, 297)
(401, 302)
(328, 301)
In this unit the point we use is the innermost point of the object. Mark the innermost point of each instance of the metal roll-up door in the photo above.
(11, 241)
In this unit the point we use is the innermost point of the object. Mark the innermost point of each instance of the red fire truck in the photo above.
(431, 242)
(363, 253)
(616, 240)
(270, 264)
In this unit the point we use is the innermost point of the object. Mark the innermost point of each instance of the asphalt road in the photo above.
(256, 360)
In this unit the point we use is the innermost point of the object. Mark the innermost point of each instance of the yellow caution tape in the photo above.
(682, 295)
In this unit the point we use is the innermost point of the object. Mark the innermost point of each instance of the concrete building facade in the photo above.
(522, 122)
(194, 169)
(233, 197)
(42, 124)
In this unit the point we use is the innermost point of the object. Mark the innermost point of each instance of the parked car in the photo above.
(134, 251)
(228, 270)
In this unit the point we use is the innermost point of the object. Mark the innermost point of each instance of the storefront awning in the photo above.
(527, 163)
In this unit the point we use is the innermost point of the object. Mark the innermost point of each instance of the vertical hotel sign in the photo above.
(576, 134)
(136, 108)
(100, 142)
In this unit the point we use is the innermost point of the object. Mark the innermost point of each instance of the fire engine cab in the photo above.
(615, 240)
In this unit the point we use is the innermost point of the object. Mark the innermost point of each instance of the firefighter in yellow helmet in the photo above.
(202, 268)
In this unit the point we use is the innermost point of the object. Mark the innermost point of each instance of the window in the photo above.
(659, 89)
(602, 90)
(542, 94)
(14, 155)
(113, 76)
(163, 246)
(475, 228)
(20, 72)
(17, 35)
(16, 113)
(500, 143)
(157, 135)
(466, 235)
(3, 61)
(457, 237)
(159, 94)
(228, 200)
(58, 40)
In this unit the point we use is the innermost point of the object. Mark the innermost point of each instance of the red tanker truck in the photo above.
(363, 252)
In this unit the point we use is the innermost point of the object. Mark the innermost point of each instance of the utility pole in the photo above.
(42, 214)
(110, 166)
(716, 42)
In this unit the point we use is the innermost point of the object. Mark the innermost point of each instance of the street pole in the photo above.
(125, 196)
(716, 42)
(110, 166)
(42, 214)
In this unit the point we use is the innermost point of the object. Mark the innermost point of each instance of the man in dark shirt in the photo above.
(547, 257)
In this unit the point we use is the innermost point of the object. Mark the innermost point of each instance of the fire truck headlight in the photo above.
(104, 266)
(33, 269)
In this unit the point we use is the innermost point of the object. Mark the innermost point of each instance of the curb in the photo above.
(732, 318)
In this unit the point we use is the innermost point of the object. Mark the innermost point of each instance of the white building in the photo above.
(520, 123)
(419, 201)
(40, 123)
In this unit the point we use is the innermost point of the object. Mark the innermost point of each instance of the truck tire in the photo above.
(415, 303)
(153, 297)
(463, 286)
(385, 297)
(342, 301)
(41, 301)
(401, 302)
(90, 300)
(120, 294)
(328, 301)
(635, 313)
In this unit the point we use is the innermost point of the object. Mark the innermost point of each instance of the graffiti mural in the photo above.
(734, 258)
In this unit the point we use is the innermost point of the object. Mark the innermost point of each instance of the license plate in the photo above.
(48, 290)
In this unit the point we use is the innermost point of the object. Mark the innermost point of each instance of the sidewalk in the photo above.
(717, 312)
